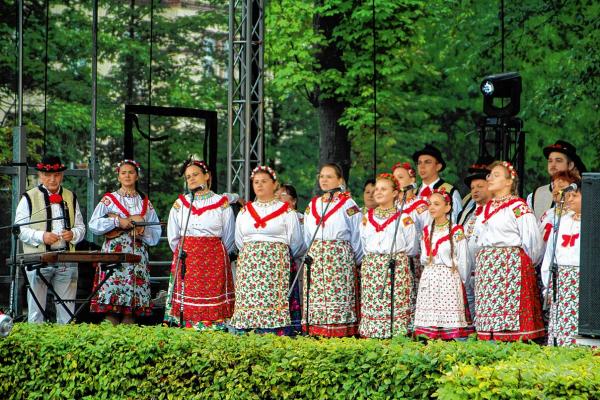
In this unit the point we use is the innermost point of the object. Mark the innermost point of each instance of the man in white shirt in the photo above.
(41, 205)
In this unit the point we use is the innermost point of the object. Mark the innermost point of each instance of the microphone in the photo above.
(340, 188)
(570, 188)
(198, 188)
(412, 186)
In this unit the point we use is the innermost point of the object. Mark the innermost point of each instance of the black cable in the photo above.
(46, 39)
(374, 92)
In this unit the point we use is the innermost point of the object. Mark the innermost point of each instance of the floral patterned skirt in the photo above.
(442, 310)
(333, 301)
(564, 314)
(127, 291)
(208, 296)
(375, 311)
(507, 302)
(262, 281)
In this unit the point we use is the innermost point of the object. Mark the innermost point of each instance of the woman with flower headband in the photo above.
(268, 236)
(126, 294)
(564, 312)
(208, 294)
(507, 302)
(386, 234)
(442, 311)
(333, 305)
(418, 209)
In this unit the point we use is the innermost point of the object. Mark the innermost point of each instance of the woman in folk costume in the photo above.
(442, 310)
(287, 194)
(207, 295)
(418, 209)
(126, 294)
(332, 290)
(386, 234)
(507, 303)
(268, 235)
(564, 313)
(560, 180)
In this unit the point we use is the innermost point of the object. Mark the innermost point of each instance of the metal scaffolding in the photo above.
(245, 131)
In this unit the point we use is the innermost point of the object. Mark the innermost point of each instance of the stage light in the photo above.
(6, 325)
(505, 86)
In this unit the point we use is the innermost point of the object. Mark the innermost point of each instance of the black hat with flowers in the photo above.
(50, 164)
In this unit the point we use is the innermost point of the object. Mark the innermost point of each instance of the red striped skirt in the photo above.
(208, 283)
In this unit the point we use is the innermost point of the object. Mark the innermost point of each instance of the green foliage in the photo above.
(101, 361)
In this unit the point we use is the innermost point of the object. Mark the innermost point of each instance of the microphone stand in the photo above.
(307, 261)
(13, 270)
(554, 264)
(180, 267)
(392, 266)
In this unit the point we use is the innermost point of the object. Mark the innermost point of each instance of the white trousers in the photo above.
(63, 278)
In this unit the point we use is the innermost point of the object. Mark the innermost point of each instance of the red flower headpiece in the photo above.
(266, 169)
(50, 167)
(55, 198)
(511, 170)
(444, 194)
(407, 167)
(391, 178)
(130, 162)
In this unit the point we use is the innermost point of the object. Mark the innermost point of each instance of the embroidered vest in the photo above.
(541, 201)
(37, 199)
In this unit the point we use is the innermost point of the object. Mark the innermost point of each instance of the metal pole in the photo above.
(91, 184)
(230, 85)
(248, 97)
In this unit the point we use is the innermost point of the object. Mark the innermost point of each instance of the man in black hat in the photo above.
(561, 156)
(41, 204)
(430, 163)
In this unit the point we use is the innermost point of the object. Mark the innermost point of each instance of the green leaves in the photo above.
(102, 361)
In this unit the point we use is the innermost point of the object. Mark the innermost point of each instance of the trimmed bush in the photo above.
(131, 362)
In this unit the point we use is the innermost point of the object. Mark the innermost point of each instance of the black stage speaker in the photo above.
(589, 286)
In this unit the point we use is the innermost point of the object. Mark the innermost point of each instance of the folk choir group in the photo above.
(415, 260)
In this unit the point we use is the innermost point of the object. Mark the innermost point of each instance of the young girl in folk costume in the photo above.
(268, 235)
(126, 293)
(560, 180)
(332, 290)
(442, 310)
(382, 231)
(564, 313)
(507, 303)
(287, 194)
(418, 209)
(208, 295)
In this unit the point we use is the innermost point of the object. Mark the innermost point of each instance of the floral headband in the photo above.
(442, 192)
(50, 167)
(200, 164)
(511, 170)
(130, 162)
(391, 178)
(266, 169)
(407, 167)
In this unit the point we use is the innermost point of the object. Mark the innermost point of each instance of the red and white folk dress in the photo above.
(269, 236)
(564, 313)
(377, 235)
(127, 291)
(208, 297)
(442, 310)
(507, 303)
(337, 249)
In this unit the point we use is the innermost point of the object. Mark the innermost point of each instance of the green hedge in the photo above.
(130, 362)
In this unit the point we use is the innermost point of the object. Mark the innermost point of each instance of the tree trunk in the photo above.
(334, 143)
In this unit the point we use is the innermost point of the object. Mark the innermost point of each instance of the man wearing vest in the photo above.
(46, 201)
(430, 163)
(561, 156)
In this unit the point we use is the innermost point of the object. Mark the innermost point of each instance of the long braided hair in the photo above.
(448, 200)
